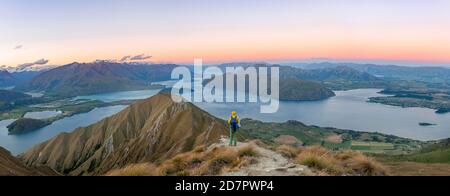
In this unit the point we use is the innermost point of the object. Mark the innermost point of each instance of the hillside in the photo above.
(336, 78)
(11, 166)
(254, 158)
(25, 125)
(437, 152)
(8, 96)
(292, 89)
(27, 75)
(426, 74)
(298, 134)
(97, 77)
(8, 99)
(432, 160)
(7, 79)
(150, 130)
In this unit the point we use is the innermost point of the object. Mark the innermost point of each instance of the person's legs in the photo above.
(234, 138)
(231, 136)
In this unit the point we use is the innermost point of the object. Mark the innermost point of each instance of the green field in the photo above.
(372, 147)
(370, 142)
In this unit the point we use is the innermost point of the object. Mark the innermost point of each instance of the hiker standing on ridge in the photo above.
(233, 122)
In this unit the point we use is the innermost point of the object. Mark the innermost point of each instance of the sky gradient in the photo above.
(415, 32)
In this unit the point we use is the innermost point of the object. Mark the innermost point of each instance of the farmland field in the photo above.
(372, 147)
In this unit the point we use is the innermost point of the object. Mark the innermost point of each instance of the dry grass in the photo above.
(248, 151)
(288, 151)
(199, 149)
(201, 162)
(259, 143)
(195, 163)
(320, 159)
(359, 164)
(340, 163)
(220, 159)
(143, 169)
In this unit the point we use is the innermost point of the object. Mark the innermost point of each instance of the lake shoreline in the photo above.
(332, 113)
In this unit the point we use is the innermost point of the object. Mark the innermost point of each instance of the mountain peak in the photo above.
(153, 130)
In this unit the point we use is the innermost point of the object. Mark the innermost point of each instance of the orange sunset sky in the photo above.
(413, 31)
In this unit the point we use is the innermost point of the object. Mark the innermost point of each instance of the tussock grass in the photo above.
(248, 151)
(366, 166)
(196, 163)
(221, 159)
(288, 151)
(143, 169)
(340, 163)
(225, 159)
(199, 149)
(320, 159)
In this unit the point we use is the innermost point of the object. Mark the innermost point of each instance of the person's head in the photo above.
(233, 113)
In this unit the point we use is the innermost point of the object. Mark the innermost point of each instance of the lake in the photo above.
(347, 110)
(19, 143)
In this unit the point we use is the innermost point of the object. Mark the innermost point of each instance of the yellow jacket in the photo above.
(236, 117)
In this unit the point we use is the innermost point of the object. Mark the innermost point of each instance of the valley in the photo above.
(224, 89)
(109, 133)
(331, 138)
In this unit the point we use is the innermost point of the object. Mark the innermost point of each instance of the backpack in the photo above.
(233, 121)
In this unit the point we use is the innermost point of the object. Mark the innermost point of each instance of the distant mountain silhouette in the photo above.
(337, 77)
(7, 79)
(97, 77)
(427, 74)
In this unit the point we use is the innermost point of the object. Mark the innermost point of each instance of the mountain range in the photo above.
(10, 78)
(153, 130)
(7, 79)
(336, 78)
(105, 76)
(426, 74)
(291, 89)
(97, 77)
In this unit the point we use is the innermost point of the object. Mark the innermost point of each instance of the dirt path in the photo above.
(269, 163)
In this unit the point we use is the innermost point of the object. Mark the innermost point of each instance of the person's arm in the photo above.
(229, 120)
